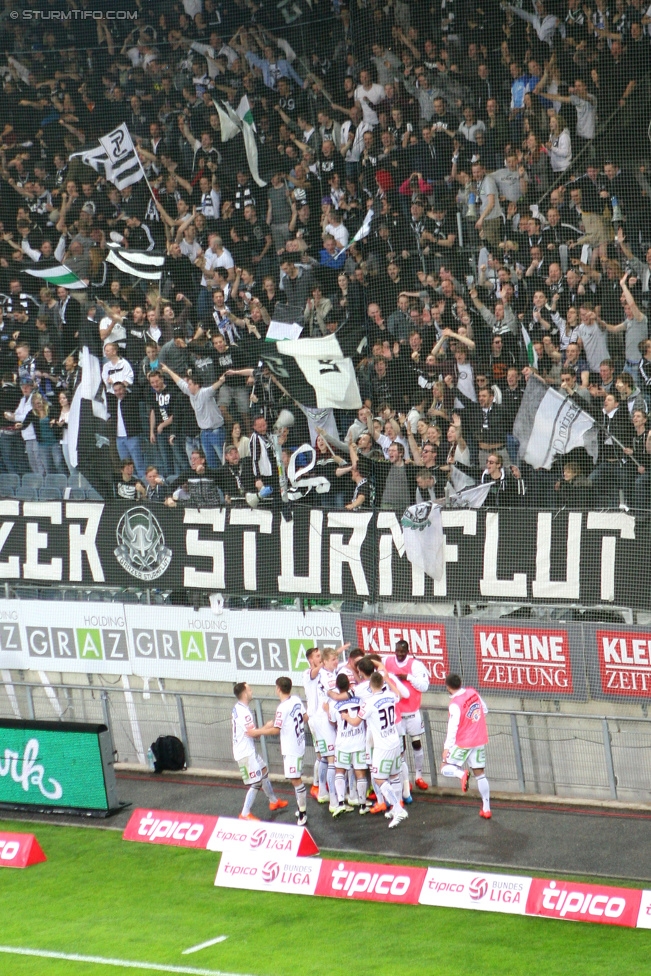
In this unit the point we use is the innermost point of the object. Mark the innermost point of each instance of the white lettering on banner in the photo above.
(84, 542)
(169, 827)
(543, 587)
(624, 663)
(545, 657)
(465, 520)
(259, 872)
(9, 849)
(624, 526)
(479, 891)
(349, 554)
(213, 549)
(35, 541)
(489, 584)
(288, 582)
(262, 519)
(31, 773)
(9, 568)
(644, 914)
(578, 902)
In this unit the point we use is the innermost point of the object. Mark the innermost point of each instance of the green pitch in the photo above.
(98, 895)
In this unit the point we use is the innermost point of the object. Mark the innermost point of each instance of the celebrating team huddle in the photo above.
(360, 712)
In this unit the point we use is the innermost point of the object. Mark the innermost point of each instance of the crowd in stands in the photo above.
(503, 151)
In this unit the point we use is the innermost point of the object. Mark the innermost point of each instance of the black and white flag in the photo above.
(137, 263)
(115, 158)
(315, 372)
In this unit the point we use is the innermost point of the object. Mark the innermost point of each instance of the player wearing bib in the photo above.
(413, 674)
(288, 723)
(253, 770)
(350, 748)
(466, 739)
(379, 713)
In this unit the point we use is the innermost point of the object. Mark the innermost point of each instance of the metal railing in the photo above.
(567, 755)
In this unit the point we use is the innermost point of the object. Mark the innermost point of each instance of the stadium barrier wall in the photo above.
(507, 657)
(555, 754)
(589, 558)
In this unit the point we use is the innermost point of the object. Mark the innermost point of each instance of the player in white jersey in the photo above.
(350, 748)
(314, 699)
(379, 713)
(288, 723)
(253, 770)
(323, 731)
(349, 668)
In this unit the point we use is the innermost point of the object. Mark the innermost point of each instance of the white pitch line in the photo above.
(124, 963)
(204, 945)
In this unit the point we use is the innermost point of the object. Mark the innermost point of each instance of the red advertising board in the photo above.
(426, 641)
(584, 902)
(19, 850)
(624, 662)
(170, 827)
(523, 659)
(370, 882)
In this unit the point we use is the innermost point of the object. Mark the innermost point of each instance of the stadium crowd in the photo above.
(503, 153)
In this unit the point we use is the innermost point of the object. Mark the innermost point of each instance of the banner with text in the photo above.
(569, 557)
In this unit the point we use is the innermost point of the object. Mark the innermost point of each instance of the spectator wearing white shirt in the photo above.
(352, 141)
(215, 256)
(559, 144)
(28, 434)
(115, 369)
(368, 95)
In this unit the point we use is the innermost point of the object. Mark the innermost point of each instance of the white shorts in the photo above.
(324, 735)
(386, 763)
(475, 757)
(251, 767)
(344, 759)
(293, 766)
(411, 724)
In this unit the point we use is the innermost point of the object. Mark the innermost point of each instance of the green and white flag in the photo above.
(532, 355)
(58, 275)
(363, 231)
(232, 122)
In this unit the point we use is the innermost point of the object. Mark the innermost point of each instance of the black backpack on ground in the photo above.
(169, 753)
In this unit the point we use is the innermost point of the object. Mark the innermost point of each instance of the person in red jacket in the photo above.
(466, 739)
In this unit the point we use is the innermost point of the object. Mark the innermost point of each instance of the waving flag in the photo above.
(115, 158)
(549, 423)
(422, 529)
(58, 275)
(314, 371)
(232, 122)
(137, 263)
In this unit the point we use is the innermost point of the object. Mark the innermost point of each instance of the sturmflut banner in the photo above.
(542, 557)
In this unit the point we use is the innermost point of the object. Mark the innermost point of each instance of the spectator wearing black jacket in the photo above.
(486, 424)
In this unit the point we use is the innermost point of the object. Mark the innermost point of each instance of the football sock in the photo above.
(331, 784)
(484, 789)
(301, 797)
(450, 770)
(249, 800)
(361, 790)
(390, 797)
(340, 787)
(323, 776)
(268, 789)
(404, 779)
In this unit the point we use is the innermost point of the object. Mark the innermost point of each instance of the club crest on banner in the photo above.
(141, 548)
